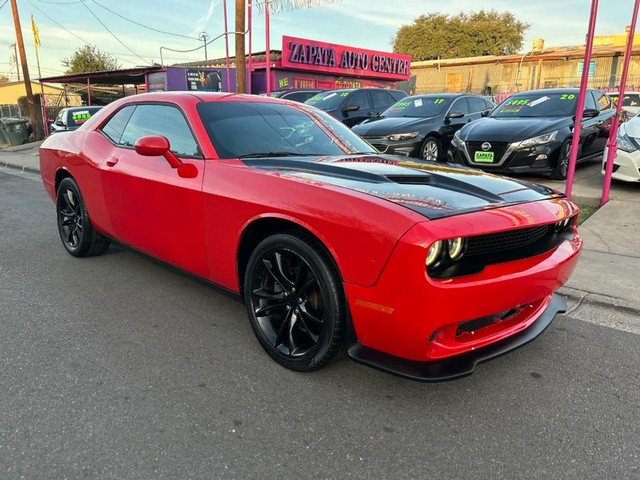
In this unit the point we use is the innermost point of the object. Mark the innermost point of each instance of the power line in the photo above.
(3, 4)
(112, 34)
(142, 25)
(69, 31)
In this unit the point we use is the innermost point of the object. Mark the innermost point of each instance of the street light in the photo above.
(204, 37)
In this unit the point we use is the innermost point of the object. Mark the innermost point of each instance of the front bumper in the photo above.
(626, 165)
(461, 365)
(538, 159)
(412, 317)
(407, 148)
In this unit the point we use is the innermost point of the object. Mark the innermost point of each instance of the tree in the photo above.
(437, 35)
(89, 59)
(4, 79)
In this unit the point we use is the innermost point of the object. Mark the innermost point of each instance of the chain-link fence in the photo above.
(10, 110)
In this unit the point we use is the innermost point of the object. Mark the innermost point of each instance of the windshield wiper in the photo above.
(275, 154)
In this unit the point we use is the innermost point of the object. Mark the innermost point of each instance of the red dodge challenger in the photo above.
(419, 268)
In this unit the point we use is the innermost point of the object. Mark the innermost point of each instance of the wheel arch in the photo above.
(61, 174)
(260, 228)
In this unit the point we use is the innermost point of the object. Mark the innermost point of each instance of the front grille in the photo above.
(379, 146)
(501, 241)
(498, 149)
(494, 248)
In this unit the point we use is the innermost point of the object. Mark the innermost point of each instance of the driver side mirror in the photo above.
(59, 123)
(351, 108)
(156, 146)
(455, 115)
(590, 113)
(485, 113)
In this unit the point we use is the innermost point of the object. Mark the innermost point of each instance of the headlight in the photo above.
(457, 140)
(456, 248)
(625, 144)
(539, 140)
(396, 137)
(434, 256)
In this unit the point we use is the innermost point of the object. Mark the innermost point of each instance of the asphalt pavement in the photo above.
(606, 275)
(118, 367)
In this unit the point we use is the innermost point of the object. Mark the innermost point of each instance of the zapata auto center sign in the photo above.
(302, 54)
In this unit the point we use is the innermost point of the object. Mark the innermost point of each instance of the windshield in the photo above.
(329, 100)
(630, 99)
(243, 129)
(78, 117)
(423, 106)
(537, 104)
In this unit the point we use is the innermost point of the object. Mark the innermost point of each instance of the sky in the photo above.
(140, 32)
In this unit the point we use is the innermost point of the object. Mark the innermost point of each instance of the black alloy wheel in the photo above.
(74, 225)
(562, 166)
(430, 149)
(295, 301)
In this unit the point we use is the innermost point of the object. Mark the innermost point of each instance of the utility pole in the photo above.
(37, 126)
(241, 71)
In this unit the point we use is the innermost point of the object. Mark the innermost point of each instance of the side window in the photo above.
(460, 105)
(602, 101)
(115, 126)
(589, 102)
(61, 116)
(359, 98)
(162, 120)
(381, 99)
(489, 105)
(476, 104)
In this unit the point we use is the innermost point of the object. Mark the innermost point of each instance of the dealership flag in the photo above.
(36, 32)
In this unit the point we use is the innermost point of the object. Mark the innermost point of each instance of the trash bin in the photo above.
(3, 135)
(16, 130)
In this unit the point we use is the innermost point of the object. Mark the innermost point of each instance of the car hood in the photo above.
(388, 125)
(511, 129)
(631, 128)
(434, 190)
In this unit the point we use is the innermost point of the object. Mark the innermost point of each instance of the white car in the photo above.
(626, 162)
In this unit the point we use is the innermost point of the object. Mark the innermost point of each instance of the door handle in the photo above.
(111, 162)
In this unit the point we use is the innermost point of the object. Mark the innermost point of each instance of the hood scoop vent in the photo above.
(411, 179)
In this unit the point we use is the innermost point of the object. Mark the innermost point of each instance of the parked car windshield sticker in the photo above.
(538, 101)
(422, 107)
(548, 105)
(81, 116)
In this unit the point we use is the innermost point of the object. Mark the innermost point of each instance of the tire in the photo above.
(295, 301)
(562, 165)
(431, 149)
(74, 225)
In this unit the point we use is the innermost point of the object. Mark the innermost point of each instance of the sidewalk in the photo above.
(23, 158)
(608, 272)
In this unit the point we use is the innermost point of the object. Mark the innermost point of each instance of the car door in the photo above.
(359, 98)
(381, 100)
(451, 124)
(151, 207)
(605, 120)
(591, 129)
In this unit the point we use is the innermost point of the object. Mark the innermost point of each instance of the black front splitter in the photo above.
(461, 365)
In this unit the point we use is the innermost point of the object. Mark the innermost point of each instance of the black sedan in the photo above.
(422, 126)
(353, 105)
(531, 132)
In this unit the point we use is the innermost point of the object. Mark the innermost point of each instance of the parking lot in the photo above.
(121, 367)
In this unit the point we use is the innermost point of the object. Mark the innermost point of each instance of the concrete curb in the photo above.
(20, 168)
(583, 297)
(24, 146)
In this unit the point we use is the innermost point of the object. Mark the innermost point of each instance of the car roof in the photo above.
(555, 90)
